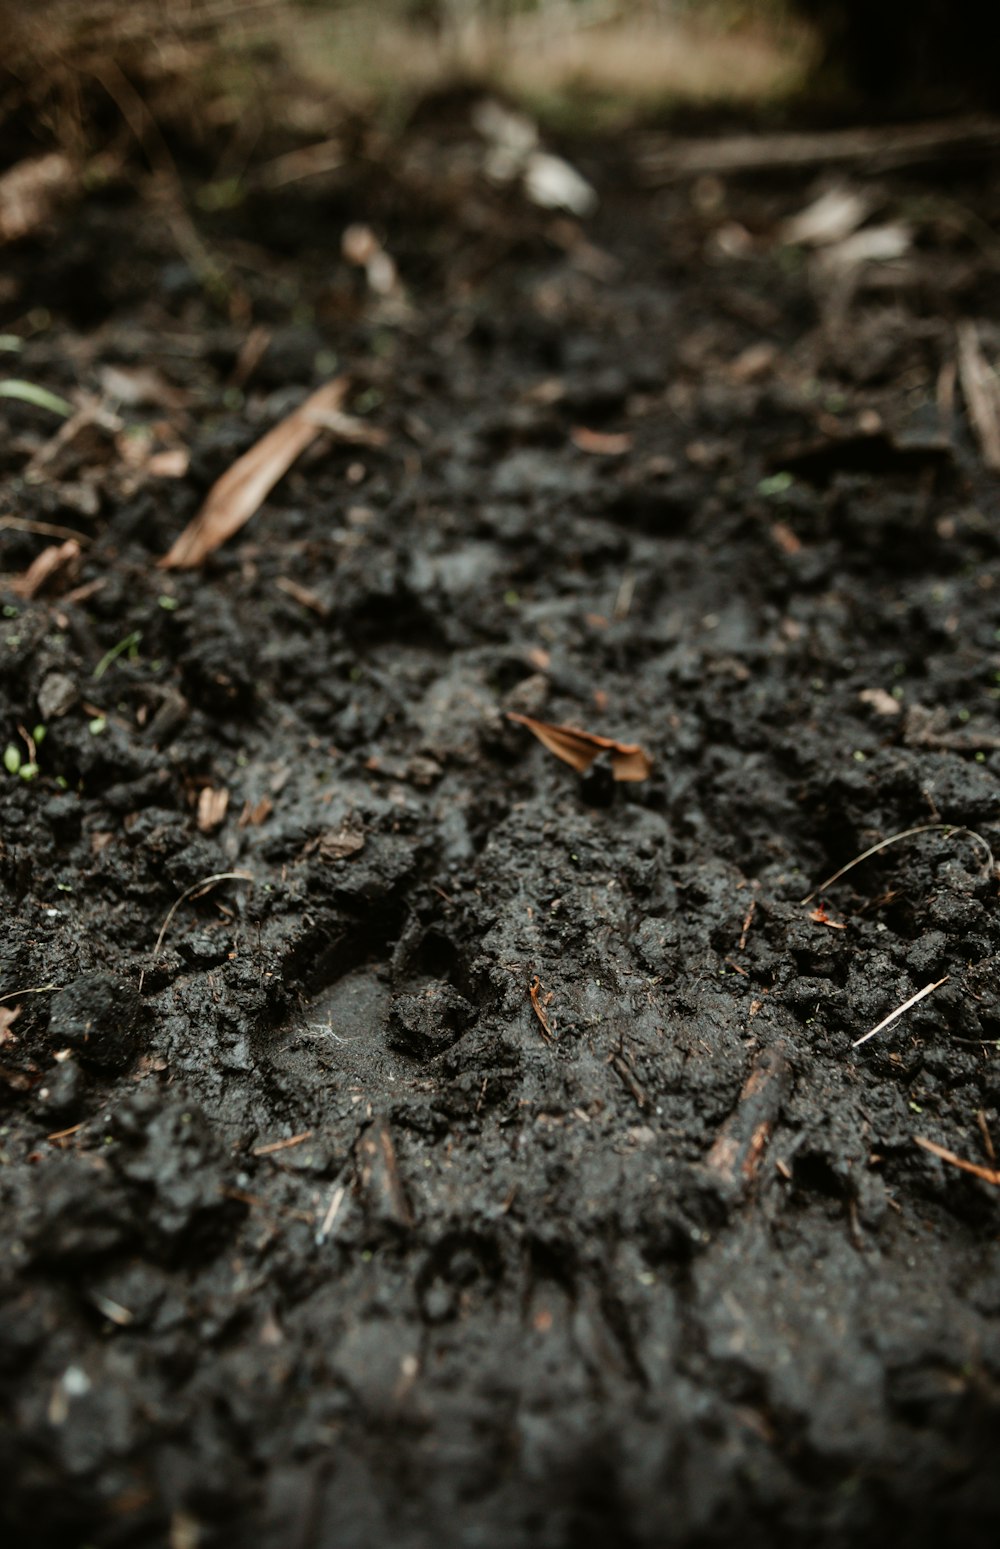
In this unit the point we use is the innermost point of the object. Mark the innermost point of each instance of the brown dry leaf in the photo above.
(8, 1016)
(988, 1174)
(599, 443)
(30, 191)
(244, 487)
(52, 559)
(581, 748)
(212, 808)
(254, 816)
(338, 845)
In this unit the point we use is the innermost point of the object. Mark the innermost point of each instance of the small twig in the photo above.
(195, 891)
(887, 1021)
(909, 833)
(42, 529)
(748, 921)
(988, 1174)
(282, 1145)
(533, 991)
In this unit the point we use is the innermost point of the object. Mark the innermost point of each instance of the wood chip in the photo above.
(244, 487)
(580, 748)
(212, 808)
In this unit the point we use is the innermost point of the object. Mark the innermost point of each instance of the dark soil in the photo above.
(676, 1271)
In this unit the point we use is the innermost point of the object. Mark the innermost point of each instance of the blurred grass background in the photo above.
(73, 70)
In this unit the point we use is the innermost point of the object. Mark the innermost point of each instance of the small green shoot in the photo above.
(40, 397)
(97, 725)
(129, 644)
(12, 758)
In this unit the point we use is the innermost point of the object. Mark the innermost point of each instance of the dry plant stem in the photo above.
(888, 1021)
(39, 989)
(282, 1145)
(883, 844)
(534, 990)
(43, 529)
(195, 890)
(987, 1174)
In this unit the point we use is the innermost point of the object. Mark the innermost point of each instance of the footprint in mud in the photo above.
(360, 1027)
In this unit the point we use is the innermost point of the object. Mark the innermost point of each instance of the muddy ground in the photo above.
(654, 1258)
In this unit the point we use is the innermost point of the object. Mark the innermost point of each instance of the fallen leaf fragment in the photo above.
(169, 464)
(302, 595)
(212, 808)
(881, 701)
(988, 1174)
(8, 1016)
(337, 845)
(821, 917)
(52, 559)
(253, 816)
(599, 443)
(981, 388)
(244, 487)
(534, 991)
(581, 748)
(30, 191)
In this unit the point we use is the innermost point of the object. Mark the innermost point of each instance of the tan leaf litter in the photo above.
(580, 748)
(244, 487)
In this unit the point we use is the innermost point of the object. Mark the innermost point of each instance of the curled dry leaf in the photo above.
(245, 486)
(580, 748)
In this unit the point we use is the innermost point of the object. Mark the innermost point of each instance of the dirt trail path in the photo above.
(320, 1229)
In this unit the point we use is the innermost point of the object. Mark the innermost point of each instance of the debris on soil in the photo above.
(241, 491)
(579, 749)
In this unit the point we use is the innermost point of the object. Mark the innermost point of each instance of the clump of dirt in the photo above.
(405, 1137)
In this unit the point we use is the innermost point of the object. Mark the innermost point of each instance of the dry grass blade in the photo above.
(580, 748)
(894, 1015)
(982, 393)
(245, 486)
(195, 891)
(987, 1174)
(883, 844)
